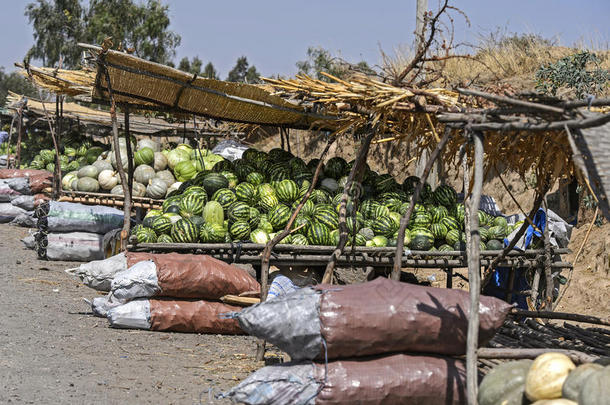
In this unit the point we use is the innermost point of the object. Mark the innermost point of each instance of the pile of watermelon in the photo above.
(252, 198)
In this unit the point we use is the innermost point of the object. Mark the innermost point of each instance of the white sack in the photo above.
(133, 315)
(75, 246)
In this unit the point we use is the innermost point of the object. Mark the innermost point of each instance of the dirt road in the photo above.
(52, 350)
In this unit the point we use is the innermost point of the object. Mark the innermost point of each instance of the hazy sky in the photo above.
(274, 34)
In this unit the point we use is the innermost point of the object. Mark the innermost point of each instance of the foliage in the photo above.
(15, 82)
(58, 26)
(141, 28)
(210, 72)
(243, 73)
(571, 72)
(192, 67)
(320, 60)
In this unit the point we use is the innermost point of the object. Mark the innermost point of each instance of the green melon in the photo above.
(184, 231)
(240, 230)
(318, 234)
(278, 217)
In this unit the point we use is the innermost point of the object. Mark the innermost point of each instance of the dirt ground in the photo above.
(52, 350)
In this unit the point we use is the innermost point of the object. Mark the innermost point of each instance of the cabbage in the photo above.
(176, 156)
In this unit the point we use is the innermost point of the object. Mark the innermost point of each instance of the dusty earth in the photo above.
(52, 350)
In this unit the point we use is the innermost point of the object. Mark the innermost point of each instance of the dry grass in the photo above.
(500, 60)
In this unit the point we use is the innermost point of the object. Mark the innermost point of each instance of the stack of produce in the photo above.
(378, 342)
(550, 379)
(252, 198)
(156, 172)
(167, 292)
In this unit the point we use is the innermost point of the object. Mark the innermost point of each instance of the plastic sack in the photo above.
(10, 173)
(98, 274)
(39, 182)
(72, 246)
(29, 242)
(25, 202)
(73, 217)
(229, 149)
(176, 316)
(392, 379)
(25, 220)
(7, 194)
(181, 276)
(8, 212)
(380, 316)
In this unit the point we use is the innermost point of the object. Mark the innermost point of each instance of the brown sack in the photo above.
(12, 173)
(192, 317)
(196, 276)
(40, 198)
(394, 379)
(385, 316)
(39, 182)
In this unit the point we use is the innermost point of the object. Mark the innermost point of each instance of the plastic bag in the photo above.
(25, 220)
(72, 217)
(72, 246)
(10, 173)
(98, 274)
(7, 194)
(381, 316)
(229, 149)
(392, 379)
(25, 202)
(174, 315)
(8, 212)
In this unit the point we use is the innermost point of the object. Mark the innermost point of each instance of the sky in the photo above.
(274, 34)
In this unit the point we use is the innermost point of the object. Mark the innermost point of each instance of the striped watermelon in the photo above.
(174, 200)
(213, 182)
(250, 155)
(255, 178)
(279, 216)
(303, 189)
(242, 169)
(299, 239)
(499, 221)
(497, 232)
(240, 230)
(238, 211)
(334, 237)
(255, 217)
(385, 183)
(296, 164)
(459, 212)
(439, 231)
(326, 216)
(287, 191)
(410, 183)
(222, 166)
(353, 224)
(164, 238)
(439, 213)
(264, 224)
(483, 217)
(451, 223)
(304, 221)
(184, 231)
(307, 209)
(495, 244)
(335, 168)
(426, 194)
(246, 192)
(267, 202)
(484, 233)
(421, 240)
(280, 155)
(303, 177)
(225, 197)
(191, 204)
(420, 220)
(384, 225)
(195, 190)
(445, 195)
(318, 234)
(231, 178)
(146, 235)
(453, 236)
(161, 225)
(380, 211)
(367, 208)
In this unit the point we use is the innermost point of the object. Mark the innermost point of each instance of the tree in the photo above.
(58, 26)
(210, 72)
(320, 60)
(192, 67)
(238, 73)
(15, 82)
(252, 75)
(138, 27)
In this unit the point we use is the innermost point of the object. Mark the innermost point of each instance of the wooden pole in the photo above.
(509, 353)
(404, 221)
(19, 134)
(561, 315)
(354, 175)
(119, 163)
(129, 151)
(547, 260)
(474, 271)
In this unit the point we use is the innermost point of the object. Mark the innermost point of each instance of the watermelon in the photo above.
(240, 230)
(184, 231)
(483, 217)
(494, 244)
(255, 178)
(267, 202)
(307, 209)
(484, 234)
(445, 195)
(421, 240)
(191, 204)
(254, 219)
(304, 221)
(453, 236)
(164, 238)
(264, 224)
(146, 235)
(367, 208)
(367, 233)
(246, 192)
(410, 183)
(318, 234)
(451, 223)
(231, 178)
(459, 212)
(420, 220)
(144, 156)
(212, 233)
(259, 236)
(439, 231)
(384, 225)
(325, 216)
(185, 170)
(497, 232)
(335, 168)
(161, 225)
(334, 237)
(500, 221)
(225, 197)
(213, 182)
(213, 213)
(287, 191)
(278, 217)
(239, 211)
(222, 165)
(298, 239)
(439, 213)
(379, 241)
